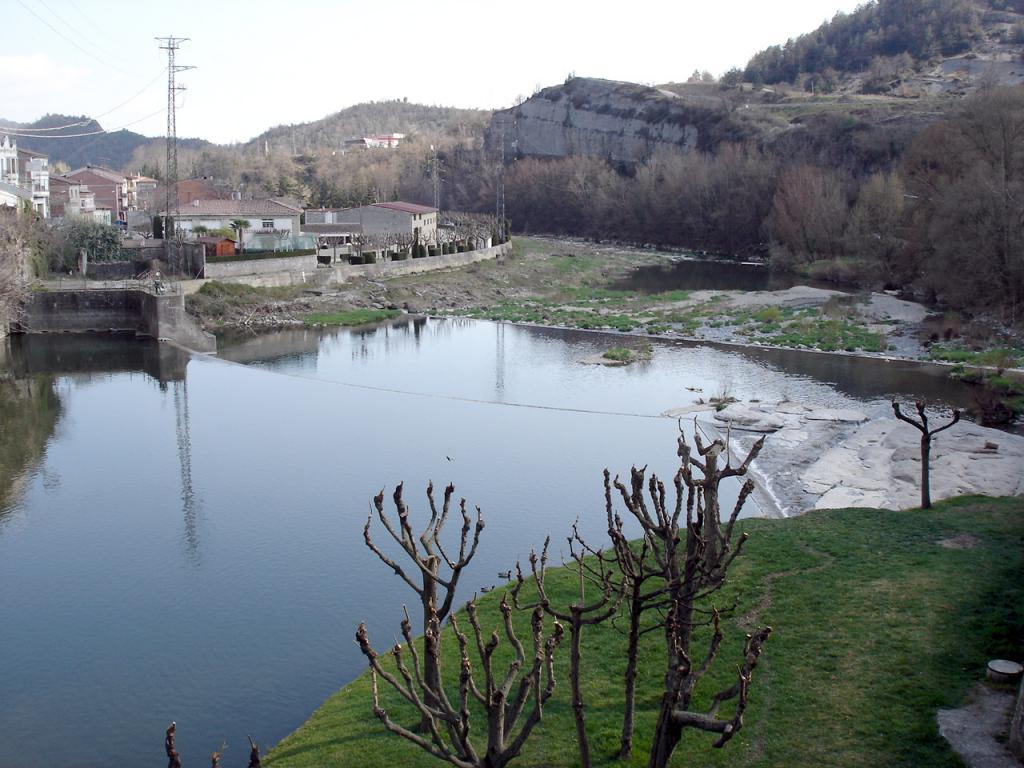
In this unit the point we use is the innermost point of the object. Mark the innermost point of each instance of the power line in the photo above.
(56, 31)
(95, 118)
(75, 30)
(5, 132)
(88, 18)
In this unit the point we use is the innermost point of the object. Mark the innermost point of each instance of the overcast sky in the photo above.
(261, 64)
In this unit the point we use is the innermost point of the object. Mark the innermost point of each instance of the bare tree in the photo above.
(598, 571)
(644, 588)
(471, 226)
(427, 554)
(504, 699)
(926, 445)
(694, 565)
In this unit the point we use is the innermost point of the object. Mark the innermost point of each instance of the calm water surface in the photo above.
(180, 538)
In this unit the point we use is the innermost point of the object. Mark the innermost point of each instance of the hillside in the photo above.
(370, 118)
(907, 48)
(113, 150)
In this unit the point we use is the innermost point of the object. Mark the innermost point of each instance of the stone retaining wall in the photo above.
(160, 316)
(292, 264)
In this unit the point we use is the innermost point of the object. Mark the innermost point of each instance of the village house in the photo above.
(138, 192)
(272, 225)
(377, 141)
(8, 160)
(396, 217)
(107, 186)
(69, 199)
(14, 196)
(28, 170)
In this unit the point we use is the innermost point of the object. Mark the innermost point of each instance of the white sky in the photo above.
(262, 63)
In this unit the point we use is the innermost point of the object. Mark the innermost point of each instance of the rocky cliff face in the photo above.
(620, 122)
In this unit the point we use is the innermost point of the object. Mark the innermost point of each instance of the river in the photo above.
(181, 537)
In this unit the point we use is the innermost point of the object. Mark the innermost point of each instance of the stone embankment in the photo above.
(826, 458)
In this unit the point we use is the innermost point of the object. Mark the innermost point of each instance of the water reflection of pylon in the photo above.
(188, 498)
(499, 365)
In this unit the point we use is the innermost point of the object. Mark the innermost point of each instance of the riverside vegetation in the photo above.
(871, 630)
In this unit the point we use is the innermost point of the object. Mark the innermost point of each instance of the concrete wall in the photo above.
(102, 310)
(345, 272)
(114, 270)
(218, 271)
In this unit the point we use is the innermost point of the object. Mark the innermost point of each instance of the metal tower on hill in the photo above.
(171, 45)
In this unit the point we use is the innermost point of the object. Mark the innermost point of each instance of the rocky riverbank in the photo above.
(823, 458)
(574, 284)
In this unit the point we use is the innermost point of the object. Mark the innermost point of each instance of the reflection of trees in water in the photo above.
(397, 334)
(29, 412)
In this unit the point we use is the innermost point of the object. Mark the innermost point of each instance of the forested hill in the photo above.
(76, 141)
(372, 118)
(890, 39)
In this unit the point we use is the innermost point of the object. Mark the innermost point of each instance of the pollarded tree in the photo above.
(513, 702)
(582, 612)
(644, 588)
(694, 560)
(427, 554)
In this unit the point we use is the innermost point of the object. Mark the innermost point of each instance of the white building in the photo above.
(382, 219)
(377, 141)
(269, 221)
(8, 160)
(29, 170)
(13, 196)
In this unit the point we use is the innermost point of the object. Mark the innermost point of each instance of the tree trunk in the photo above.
(926, 491)
(431, 665)
(577, 694)
(666, 734)
(626, 742)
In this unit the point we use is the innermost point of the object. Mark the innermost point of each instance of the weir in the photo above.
(136, 310)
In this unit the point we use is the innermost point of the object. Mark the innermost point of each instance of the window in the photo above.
(268, 224)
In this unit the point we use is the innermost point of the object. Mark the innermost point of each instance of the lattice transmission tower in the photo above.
(171, 208)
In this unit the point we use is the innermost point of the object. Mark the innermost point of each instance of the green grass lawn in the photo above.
(876, 627)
